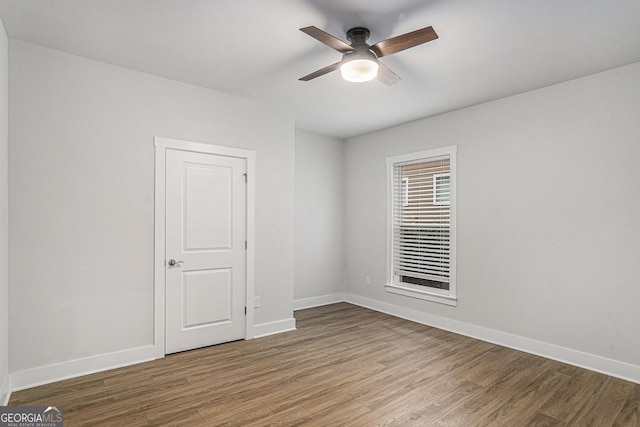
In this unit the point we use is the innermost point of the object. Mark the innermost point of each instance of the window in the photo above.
(421, 241)
(441, 192)
(405, 191)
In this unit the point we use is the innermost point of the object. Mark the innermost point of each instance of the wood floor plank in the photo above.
(436, 408)
(231, 412)
(605, 404)
(526, 402)
(478, 408)
(135, 420)
(345, 365)
(567, 401)
(630, 414)
(541, 420)
(293, 416)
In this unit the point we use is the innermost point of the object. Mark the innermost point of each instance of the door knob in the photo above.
(173, 262)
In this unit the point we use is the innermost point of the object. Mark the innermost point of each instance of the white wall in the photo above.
(319, 201)
(4, 215)
(81, 199)
(548, 216)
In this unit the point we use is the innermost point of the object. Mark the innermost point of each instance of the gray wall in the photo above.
(81, 173)
(548, 213)
(319, 204)
(4, 213)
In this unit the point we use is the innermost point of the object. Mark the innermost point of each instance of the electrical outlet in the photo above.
(367, 281)
(256, 302)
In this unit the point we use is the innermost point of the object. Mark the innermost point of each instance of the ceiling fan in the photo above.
(360, 60)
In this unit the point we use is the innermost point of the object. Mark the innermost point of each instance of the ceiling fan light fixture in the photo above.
(359, 70)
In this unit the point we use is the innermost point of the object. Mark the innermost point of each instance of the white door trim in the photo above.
(161, 146)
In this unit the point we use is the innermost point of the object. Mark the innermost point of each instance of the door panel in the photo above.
(205, 235)
(207, 220)
(206, 296)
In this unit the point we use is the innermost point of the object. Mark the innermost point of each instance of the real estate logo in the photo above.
(31, 416)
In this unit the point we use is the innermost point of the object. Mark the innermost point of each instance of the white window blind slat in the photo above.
(429, 246)
(440, 259)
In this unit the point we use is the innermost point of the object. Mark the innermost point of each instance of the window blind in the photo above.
(421, 222)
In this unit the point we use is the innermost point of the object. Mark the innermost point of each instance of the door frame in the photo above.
(159, 280)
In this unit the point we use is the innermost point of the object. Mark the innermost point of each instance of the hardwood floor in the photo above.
(346, 366)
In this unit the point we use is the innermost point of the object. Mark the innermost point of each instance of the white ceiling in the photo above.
(487, 49)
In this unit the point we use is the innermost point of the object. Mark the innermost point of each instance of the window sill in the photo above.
(421, 294)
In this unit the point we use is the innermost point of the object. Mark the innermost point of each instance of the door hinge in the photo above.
(246, 245)
(245, 310)
(245, 177)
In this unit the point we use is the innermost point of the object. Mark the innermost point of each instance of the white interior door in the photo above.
(205, 249)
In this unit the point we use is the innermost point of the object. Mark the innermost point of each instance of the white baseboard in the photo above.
(303, 303)
(5, 390)
(272, 328)
(592, 362)
(33, 377)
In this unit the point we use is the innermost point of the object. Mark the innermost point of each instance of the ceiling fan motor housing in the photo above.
(358, 37)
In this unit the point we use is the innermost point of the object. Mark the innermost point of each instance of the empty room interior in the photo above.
(321, 212)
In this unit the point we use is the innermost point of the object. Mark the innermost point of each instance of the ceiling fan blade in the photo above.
(321, 72)
(387, 76)
(405, 41)
(327, 39)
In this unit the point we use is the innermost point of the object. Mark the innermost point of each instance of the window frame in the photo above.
(442, 296)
